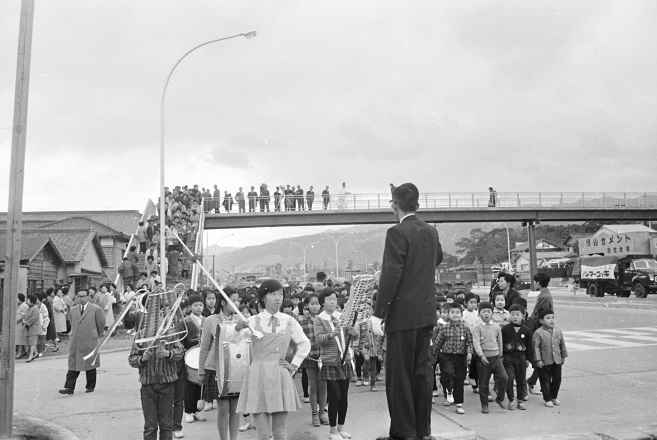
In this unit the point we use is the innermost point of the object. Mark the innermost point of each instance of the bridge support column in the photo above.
(531, 235)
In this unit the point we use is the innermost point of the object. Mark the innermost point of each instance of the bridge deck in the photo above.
(463, 215)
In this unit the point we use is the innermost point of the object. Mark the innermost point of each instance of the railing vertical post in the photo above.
(473, 200)
(560, 199)
(625, 199)
(583, 199)
(378, 199)
(354, 208)
(518, 200)
(645, 200)
(449, 199)
(368, 204)
(604, 200)
(426, 200)
(540, 199)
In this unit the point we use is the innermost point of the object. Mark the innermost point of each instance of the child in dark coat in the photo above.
(517, 347)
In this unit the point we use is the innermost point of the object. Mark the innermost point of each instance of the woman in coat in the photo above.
(21, 330)
(31, 322)
(59, 311)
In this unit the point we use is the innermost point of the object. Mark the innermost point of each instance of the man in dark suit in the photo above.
(87, 323)
(406, 303)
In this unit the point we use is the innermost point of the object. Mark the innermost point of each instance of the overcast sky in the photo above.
(454, 96)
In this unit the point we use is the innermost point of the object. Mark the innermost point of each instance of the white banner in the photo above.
(604, 272)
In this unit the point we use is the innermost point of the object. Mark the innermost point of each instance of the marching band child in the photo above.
(333, 348)
(227, 418)
(194, 323)
(370, 346)
(157, 374)
(316, 386)
(269, 392)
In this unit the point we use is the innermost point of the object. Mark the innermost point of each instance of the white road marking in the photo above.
(604, 339)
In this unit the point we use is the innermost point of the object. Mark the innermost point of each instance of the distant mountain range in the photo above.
(368, 239)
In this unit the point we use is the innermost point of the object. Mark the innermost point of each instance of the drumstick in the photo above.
(255, 332)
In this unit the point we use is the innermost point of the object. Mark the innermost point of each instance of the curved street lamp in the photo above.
(163, 277)
(364, 255)
(303, 248)
(337, 267)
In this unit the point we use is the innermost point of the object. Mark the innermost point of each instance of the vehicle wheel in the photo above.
(640, 290)
(593, 289)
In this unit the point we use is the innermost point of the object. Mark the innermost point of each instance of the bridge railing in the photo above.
(460, 200)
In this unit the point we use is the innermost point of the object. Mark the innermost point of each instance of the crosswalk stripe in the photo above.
(615, 342)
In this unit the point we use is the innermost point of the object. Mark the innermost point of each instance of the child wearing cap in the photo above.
(516, 338)
(487, 341)
(550, 354)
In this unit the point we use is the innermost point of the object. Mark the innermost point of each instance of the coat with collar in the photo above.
(86, 329)
(406, 298)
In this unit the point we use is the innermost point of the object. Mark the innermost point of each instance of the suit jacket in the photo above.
(85, 332)
(407, 293)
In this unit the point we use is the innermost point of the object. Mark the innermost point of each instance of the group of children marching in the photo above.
(479, 340)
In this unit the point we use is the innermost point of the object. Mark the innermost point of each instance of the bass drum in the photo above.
(191, 364)
(233, 361)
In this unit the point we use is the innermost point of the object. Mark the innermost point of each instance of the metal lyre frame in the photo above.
(363, 290)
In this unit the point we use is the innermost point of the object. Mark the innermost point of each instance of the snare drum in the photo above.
(191, 363)
(233, 362)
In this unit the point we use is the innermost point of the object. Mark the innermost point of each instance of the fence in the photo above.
(554, 200)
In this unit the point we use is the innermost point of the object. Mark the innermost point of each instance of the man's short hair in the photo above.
(406, 196)
(542, 279)
(321, 276)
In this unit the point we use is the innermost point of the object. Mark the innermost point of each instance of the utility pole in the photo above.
(15, 218)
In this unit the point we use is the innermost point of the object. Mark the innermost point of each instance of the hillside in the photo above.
(368, 239)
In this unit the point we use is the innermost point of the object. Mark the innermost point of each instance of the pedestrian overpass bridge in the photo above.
(530, 207)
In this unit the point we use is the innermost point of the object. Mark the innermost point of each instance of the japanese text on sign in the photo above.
(606, 271)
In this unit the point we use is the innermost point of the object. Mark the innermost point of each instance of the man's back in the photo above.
(407, 286)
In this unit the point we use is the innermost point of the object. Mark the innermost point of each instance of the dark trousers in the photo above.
(550, 377)
(72, 377)
(192, 396)
(251, 205)
(240, 205)
(179, 400)
(453, 370)
(495, 368)
(277, 204)
(326, 202)
(516, 368)
(474, 372)
(157, 406)
(408, 382)
(304, 382)
(310, 204)
(337, 393)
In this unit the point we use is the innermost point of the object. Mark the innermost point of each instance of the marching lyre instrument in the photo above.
(363, 291)
(161, 319)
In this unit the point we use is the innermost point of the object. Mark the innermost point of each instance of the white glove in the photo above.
(377, 326)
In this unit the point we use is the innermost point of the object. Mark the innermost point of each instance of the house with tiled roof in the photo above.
(124, 221)
(42, 266)
(85, 263)
(546, 250)
(114, 242)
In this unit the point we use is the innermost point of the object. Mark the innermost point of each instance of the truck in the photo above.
(452, 282)
(616, 275)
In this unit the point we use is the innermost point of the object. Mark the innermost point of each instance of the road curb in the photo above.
(639, 433)
(25, 427)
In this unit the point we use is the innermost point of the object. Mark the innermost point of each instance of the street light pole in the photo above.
(303, 248)
(364, 255)
(163, 275)
(508, 245)
(337, 267)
